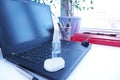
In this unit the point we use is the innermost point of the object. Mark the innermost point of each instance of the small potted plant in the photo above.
(67, 12)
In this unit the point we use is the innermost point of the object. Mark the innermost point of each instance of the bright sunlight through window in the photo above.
(105, 15)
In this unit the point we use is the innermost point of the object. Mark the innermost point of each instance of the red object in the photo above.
(97, 39)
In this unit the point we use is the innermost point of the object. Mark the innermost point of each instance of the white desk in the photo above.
(100, 63)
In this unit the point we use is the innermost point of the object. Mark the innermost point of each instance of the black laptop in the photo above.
(26, 34)
(0, 38)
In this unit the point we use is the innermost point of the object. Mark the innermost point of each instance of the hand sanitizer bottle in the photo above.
(56, 44)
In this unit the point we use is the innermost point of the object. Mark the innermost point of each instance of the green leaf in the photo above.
(88, 8)
(51, 1)
(70, 1)
(83, 8)
(75, 1)
(83, 0)
(91, 2)
(91, 7)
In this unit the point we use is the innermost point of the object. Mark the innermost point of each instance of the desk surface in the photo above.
(100, 63)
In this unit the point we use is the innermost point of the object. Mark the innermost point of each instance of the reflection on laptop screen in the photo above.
(23, 22)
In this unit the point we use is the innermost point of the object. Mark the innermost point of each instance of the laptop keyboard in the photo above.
(38, 54)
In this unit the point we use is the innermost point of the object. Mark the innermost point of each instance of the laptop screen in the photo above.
(0, 37)
(24, 21)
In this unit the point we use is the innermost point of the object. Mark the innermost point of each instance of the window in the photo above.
(104, 16)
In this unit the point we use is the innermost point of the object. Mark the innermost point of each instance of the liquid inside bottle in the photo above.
(56, 49)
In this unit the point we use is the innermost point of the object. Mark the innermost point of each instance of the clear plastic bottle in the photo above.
(56, 49)
(1, 56)
(56, 44)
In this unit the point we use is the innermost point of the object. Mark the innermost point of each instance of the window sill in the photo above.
(97, 39)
